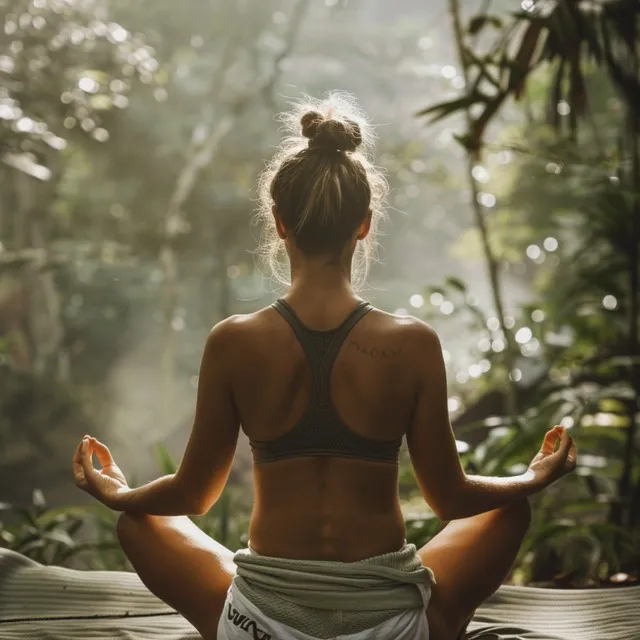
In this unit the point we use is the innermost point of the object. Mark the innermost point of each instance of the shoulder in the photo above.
(419, 342)
(233, 332)
(421, 331)
(228, 345)
(411, 340)
(231, 329)
(409, 328)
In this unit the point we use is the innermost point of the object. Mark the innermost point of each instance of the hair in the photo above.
(323, 184)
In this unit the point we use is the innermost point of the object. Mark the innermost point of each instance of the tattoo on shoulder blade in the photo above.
(374, 352)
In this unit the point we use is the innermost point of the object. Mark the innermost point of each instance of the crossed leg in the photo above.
(181, 565)
(471, 558)
(191, 572)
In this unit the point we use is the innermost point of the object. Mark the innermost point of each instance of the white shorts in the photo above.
(242, 620)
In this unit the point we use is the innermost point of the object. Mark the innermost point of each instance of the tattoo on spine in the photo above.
(374, 352)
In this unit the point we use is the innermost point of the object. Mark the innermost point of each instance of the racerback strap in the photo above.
(321, 346)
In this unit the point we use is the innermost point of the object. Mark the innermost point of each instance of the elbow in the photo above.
(191, 502)
(198, 505)
(452, 512)
(453, 505)
(198, 510)
(195, 506)
(445, 512)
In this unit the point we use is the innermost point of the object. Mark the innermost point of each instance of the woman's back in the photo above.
(328, 506)
(325, 387)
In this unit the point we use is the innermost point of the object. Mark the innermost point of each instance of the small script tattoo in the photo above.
(374, 352)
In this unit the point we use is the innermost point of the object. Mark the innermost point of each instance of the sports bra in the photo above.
(320, 431)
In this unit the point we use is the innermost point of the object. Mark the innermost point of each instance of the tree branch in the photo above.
(202, 154)
(475, 130)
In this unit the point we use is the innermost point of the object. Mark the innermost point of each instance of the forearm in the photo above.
(161, 497)
(483, 493)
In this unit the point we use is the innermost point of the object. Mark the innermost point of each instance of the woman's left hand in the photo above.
(107, 484)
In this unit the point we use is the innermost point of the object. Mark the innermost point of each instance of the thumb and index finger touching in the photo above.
(103, 453)
(551, 438)
(572, 455)
(88, 446)
(83, 463)
(83, 469)
(567, 450)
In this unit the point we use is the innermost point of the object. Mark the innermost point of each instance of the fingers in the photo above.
(572, 457)
(78, 471)
(562, 461)
(83, 470)
(78, 475)
(102, 451)
(86, 460)
(561, 457)
(550, 439)
(565, 456)
(565, 444)
(78, 453)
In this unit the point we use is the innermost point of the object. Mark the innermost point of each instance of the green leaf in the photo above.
(38, 500)
(26, 515)
(479, 22)
(456, 283)
(53, 523)
(525, 16)
(26, 548)
(524, 58)
(59, 536)
(7, 536)
(445, 109)
(94, 547)
(75, 527)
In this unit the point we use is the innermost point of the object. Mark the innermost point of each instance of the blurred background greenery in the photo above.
(131, 135)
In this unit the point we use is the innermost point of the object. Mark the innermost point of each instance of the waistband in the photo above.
(391, 581)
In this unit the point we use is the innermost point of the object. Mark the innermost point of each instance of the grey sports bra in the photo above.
(321, 431)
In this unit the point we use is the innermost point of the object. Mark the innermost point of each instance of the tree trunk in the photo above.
(45, 321)
(474, 157)
(205, 142)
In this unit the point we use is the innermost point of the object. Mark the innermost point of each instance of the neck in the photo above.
(320, 276)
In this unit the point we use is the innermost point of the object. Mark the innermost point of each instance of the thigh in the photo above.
(181, 565)
(471, 558)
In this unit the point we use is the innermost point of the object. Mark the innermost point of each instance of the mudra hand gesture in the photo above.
(106, 484)
(550, 464)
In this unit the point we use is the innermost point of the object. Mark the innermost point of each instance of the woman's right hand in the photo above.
(549, 465)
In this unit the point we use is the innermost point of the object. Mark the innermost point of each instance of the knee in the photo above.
(123, 526)
(128, 525)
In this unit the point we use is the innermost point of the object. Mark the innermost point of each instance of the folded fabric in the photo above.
(388, 581)
(327, 599)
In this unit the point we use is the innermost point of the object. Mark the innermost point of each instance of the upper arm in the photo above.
(207, 460)
(430, 438)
